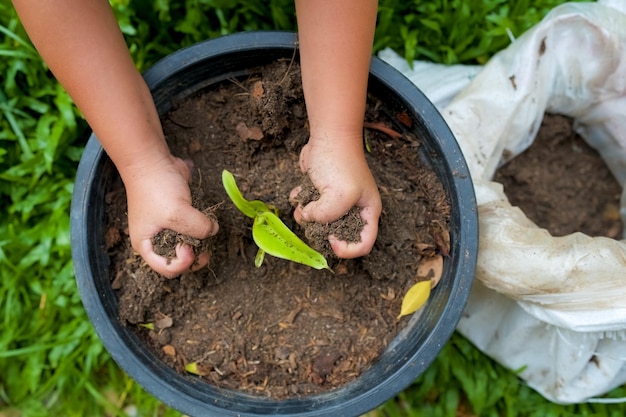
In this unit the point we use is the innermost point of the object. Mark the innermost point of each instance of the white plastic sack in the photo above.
(554, 306)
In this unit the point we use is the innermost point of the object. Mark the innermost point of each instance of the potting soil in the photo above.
(562, 184)
(283, 329)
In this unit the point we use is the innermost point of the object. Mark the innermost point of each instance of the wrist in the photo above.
(342, 139)
(137, 165)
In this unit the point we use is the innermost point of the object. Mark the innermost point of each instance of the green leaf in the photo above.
(270, 234)
(249, 208)
(192, 368)
(259, 258)
(274, 237)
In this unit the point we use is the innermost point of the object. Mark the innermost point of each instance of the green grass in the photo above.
(455, 31)
(51, 362)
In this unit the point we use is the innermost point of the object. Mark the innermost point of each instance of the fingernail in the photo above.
(304, 214)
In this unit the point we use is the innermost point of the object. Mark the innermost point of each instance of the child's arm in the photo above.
(336, 38)
(81, 42)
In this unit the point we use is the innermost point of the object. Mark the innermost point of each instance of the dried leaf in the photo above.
(255, 133)
(248, 133)
(390, 296)
(444, 244)
(164, 323)
(611, 212)
(258, 90)
(442, 236)
(383, 128)
(405, 119)
(431, 269)
(169, 350)
(415, 298)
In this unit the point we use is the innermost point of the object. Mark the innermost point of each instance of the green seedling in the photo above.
(270, 234)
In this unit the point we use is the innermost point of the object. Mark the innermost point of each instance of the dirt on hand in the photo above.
(348, 227)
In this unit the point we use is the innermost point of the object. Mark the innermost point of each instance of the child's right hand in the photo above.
(159, 198)
(340, 173)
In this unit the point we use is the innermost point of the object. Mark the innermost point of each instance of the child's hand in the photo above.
(158, 199)
(116, 102)
(344, 180)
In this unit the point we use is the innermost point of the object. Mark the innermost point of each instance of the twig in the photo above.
(382, 128)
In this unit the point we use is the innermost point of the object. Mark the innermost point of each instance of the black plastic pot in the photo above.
(409, 354)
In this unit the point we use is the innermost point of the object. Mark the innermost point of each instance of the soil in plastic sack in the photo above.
(283, 329)
(562, 184)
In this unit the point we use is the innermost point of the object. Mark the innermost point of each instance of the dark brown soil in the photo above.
(562, 184)
(283, 329)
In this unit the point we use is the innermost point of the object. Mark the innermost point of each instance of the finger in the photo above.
(202, 260)
(169, 268)
(194, 223)
(304, 156)
(294, 193)
(327, 209)
(297, 214)
(185, 167)
(348, 250)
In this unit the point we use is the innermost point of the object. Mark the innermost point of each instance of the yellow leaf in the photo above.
(415, 298)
